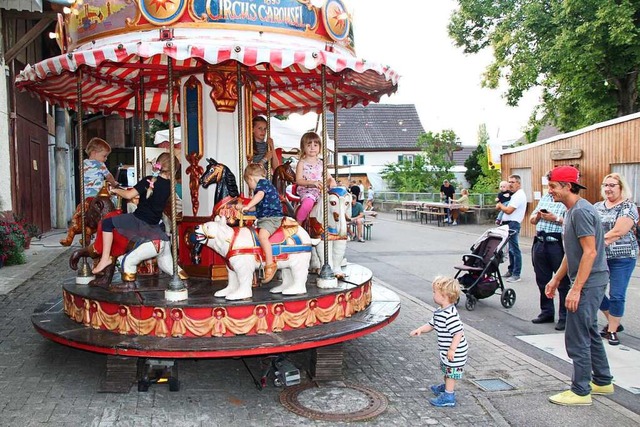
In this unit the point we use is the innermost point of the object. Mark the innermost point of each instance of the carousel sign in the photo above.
(92, 20)
(291, 14)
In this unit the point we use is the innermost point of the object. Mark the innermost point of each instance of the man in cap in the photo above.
(586, 265)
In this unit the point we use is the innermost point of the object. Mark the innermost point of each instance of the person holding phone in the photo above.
(546, 256)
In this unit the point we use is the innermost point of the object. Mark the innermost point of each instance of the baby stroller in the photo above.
(479, 276)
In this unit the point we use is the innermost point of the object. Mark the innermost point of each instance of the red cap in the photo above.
(566, 174)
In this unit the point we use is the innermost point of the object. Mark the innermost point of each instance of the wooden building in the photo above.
(597, 150)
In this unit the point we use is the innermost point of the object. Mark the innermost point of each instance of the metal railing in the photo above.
(477, 199)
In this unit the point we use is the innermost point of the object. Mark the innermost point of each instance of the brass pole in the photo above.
(268, 102)
(335, 132)
(175, 284)
(325, 271)
(84, 272)
(241, 143)
(143, 143)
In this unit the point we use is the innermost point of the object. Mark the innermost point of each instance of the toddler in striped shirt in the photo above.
(451, 340)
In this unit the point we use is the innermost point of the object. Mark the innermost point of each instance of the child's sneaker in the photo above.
(444, 399)
(498, 222)
(437, 389)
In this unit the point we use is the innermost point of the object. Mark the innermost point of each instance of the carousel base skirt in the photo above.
(142, 323)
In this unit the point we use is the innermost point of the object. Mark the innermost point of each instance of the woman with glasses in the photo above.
(619, 216)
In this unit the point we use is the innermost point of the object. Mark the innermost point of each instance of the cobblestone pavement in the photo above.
(44, 383)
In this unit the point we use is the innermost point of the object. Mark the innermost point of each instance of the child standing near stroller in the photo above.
(504, 197)
(451, 340)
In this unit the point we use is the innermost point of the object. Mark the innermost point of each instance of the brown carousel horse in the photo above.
(283, 176)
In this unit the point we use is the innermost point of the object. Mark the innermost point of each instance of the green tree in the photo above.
(583, 53)
(474, 170)
(489, 178)
(437, 149)
(406, 175)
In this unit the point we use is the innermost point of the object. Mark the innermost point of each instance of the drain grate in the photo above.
(493, 384)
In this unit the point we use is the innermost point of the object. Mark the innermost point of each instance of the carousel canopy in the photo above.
(112, 74)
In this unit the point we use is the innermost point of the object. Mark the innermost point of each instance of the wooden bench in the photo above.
(366, 229)
(430, 215)
(400, 211)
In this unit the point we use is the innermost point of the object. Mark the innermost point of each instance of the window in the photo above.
(525, 175)
(353, 159)
(630, 172)
(406, 157)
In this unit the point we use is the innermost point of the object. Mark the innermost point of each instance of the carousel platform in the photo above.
(141, 323)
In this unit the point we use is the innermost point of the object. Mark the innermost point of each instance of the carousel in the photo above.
(211, 66)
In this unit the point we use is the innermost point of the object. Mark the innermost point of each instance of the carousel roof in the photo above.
(111, 76)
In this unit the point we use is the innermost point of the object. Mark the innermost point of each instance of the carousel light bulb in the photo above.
(53, 35)
(317, 3)
(66, 10)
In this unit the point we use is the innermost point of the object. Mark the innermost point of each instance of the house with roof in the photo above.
(370, 137)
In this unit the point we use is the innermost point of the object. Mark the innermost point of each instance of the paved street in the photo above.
(48, 384)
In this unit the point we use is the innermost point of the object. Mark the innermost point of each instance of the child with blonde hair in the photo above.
(451, 340)
(309, 174)
(95, 171)
(268, 212)
(504, 197)
(145, 223)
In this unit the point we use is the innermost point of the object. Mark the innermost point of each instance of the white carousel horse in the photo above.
(239, 246)
(339, 205)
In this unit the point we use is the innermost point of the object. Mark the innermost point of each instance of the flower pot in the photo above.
(27, 242)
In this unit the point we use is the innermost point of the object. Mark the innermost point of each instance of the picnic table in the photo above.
(436, 211)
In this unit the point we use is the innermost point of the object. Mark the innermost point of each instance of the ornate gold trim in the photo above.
(176, 322)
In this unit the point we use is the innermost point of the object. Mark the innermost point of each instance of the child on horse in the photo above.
(95, 171)
(145, 223)
(309, 174)
(268, 212)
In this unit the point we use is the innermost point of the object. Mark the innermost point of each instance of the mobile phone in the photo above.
(544, 211)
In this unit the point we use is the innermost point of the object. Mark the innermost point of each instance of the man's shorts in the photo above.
(451, 372)
(271, 223)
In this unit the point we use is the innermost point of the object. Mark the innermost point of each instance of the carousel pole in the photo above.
(84, 272)
(177, 290)
(326, 278)
(142, 161)
(268, 102)
(335, 132)
(240, 110)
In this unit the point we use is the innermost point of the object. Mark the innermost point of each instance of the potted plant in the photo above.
(12, 240)
(30, 229)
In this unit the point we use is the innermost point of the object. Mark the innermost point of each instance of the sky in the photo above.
(444, 83)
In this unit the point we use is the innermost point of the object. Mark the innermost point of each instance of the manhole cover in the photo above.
(344, 402)
(493, 384)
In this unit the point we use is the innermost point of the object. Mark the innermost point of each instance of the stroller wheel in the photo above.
(508, 298)
(471, 303)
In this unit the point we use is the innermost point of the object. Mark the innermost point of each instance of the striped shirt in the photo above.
(446, 322)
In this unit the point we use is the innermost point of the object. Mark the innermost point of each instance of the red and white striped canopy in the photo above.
(111, 76)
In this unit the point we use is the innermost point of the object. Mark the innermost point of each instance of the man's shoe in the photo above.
(605, 330)
(269, 272)
(507, 274)
(361, 240)
(437, 389)
(603, 390)
(444, 399)
(613, 339)
(514, 279)
(569, 398)
(542, 319)
(561, 325)
(454, 223)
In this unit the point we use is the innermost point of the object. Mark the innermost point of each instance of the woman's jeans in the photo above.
(620, 270)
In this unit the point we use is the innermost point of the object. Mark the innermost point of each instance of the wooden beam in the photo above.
(28, 38)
